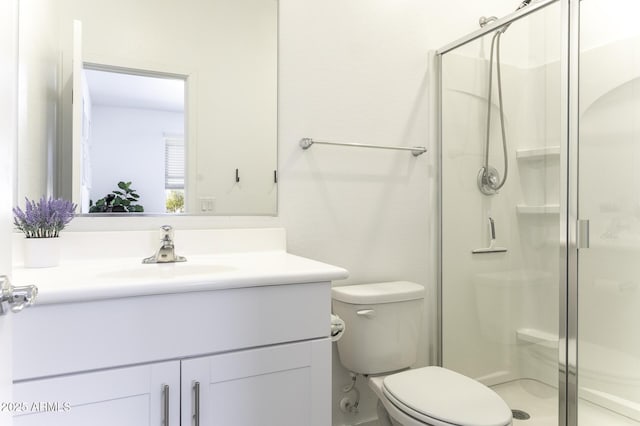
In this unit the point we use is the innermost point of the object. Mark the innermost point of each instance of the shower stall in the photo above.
(540, 272)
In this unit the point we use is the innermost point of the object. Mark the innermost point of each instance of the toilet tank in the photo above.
(383, 325)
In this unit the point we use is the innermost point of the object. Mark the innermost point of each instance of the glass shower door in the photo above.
(609, 198)
(501, 252)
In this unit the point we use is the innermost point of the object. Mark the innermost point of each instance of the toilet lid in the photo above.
(447, 396)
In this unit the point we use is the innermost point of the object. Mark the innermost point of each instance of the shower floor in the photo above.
(540, 401)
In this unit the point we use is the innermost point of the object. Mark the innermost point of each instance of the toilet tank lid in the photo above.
(386, 292)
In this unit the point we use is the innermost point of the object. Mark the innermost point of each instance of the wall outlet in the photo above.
(207, 204)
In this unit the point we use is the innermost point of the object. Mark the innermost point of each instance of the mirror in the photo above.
(132, 130)
(224, 52)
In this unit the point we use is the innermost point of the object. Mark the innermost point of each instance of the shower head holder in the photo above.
(488, 180)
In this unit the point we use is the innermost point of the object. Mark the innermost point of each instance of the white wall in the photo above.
(357, 71)
(8, 139)
(133, 150)
(39, 88)
(608, 21)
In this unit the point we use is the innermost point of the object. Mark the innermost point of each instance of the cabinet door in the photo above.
(283, 385)
(132, 396)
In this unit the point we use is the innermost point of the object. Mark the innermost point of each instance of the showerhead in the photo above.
(487, 20)
(524, 3)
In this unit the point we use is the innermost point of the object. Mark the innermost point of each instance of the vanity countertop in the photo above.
(110, 278)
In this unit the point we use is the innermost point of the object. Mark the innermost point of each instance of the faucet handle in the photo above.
(167, 233)
(166, 252)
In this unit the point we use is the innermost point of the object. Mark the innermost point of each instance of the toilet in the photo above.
(380, 341)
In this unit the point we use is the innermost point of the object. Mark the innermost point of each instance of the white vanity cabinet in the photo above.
(283, 385)
(131, 396)
(251, 356)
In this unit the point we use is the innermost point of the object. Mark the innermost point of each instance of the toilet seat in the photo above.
(437, 396)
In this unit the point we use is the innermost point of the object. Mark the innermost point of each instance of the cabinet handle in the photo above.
(165, 408)
(196, 415)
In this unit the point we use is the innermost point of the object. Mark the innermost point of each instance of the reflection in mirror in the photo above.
(134, 132)
(224, 51)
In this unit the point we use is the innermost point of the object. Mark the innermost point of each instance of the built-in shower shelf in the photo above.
(542, 209)
(537, 153)
(538, 337)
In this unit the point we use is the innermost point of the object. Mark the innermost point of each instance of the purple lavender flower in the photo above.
(45, 218)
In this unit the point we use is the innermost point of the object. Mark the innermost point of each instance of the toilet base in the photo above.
(383, 415)
(389, 411)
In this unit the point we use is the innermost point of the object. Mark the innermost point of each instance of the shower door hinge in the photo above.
(583, 233)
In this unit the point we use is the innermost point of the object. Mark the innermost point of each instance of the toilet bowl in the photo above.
(381, 337)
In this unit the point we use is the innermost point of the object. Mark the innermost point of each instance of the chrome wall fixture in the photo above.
(306, 143)
(491, 248)
(492, 25)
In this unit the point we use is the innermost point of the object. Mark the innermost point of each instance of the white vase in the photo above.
(41, 252)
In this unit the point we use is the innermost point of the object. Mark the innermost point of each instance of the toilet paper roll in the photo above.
(337, 328)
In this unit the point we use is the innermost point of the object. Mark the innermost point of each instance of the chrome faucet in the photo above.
(166, 253)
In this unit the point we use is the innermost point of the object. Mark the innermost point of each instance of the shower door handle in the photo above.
(583, 233)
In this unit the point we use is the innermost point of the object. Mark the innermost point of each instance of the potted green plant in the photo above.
(41, 222)
(122, 200)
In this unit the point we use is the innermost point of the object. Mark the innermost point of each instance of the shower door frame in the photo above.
(568, 253)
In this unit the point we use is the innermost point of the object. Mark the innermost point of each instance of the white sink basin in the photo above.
(166, 270)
